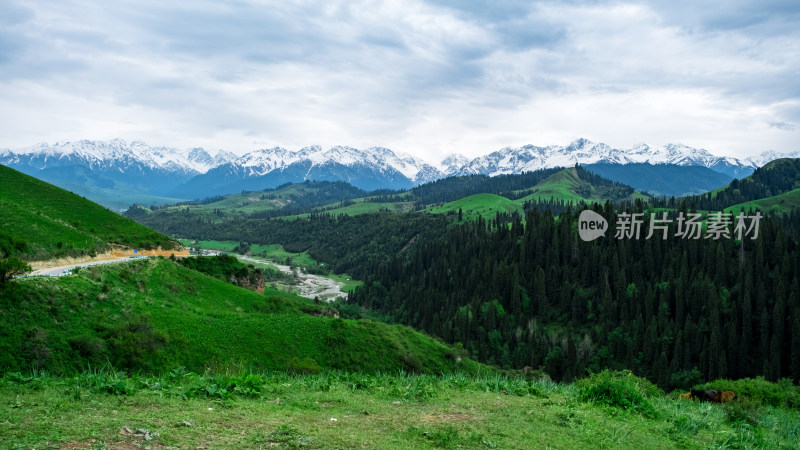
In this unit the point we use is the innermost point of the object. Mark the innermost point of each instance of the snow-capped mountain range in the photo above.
(527, 158)
(116, 154)
(195, 173)
(262, 162)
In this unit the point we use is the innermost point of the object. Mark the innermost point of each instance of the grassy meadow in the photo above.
(480, 205)
(181, 409)
(780, 204)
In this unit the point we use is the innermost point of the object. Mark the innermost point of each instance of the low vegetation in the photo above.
(334, 409)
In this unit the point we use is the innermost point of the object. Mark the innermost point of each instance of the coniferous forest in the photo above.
(675, 310)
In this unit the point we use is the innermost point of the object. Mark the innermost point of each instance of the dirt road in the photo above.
(65, 270)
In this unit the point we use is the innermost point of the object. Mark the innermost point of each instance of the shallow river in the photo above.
(309, 285)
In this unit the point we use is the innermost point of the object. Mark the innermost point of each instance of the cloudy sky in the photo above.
(428, 77)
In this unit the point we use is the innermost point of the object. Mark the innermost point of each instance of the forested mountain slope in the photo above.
(675, 310)
(775, 178)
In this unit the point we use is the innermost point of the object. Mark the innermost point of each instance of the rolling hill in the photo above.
(576, 185)
(286, 199)
(39, 221)
(475, 195)
(781, 203)
(154, 315)
(769, 187)
(483, 205)
(572, 185)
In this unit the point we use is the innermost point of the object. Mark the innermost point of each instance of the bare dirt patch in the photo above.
(122, 252)
(447, 418)
(117, 252)
(61, 262)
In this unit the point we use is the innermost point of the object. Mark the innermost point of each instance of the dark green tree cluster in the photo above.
(534, 294)
(348, 244)
(10, 264)
(454, 188)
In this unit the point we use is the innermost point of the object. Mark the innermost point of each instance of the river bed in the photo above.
(308, 285)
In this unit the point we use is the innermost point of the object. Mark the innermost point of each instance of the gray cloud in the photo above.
(782, 126)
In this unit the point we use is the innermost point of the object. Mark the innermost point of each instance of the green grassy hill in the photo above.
(39, 221)
(568, 186)
(563, 186)
(288, 198)
(779, 183)
(154, 314)
(483, 196)
(363, 205)
(772, 188)
(485, 205)
(780, 203)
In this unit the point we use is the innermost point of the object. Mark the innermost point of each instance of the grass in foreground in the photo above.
(346, 410)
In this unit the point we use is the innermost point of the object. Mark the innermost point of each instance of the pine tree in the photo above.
(540, 294)
(796, 347)
(715, 356)
(778, 318)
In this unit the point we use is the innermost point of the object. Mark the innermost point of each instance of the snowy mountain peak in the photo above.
(451, 163)
(200, 155)
(117, 153)
(770, 155)
(583, 151)
(579, 144)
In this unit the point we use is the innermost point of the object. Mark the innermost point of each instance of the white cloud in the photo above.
(423, 77)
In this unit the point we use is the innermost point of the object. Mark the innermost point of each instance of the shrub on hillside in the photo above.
(91, 348)
(304, 366)
(684, 380)
(783, 393)
(135, 344)
(619, 389)
(745, 410)
(11, 267)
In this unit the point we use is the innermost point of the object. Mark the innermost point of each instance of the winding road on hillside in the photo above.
(66, 270)
(309, 285)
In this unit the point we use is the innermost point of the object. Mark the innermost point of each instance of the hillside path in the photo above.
(65, 270)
